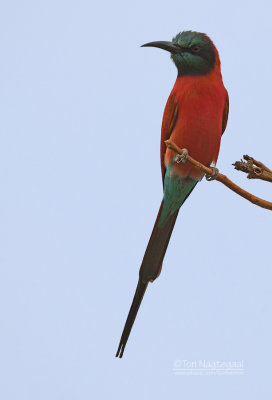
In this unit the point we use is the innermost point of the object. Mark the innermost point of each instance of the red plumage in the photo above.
(194, 118)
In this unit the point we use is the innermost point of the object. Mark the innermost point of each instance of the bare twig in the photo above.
(222, 178)
(255, 169)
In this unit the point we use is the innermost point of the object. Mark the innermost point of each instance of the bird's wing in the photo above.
(168, 123)
(225, 115)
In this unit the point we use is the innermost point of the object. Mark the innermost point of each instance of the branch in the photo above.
(255, 169)
(222, 178)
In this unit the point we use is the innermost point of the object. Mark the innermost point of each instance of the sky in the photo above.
(81, 107)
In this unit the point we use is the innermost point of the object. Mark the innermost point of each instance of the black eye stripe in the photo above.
(192, 49)
(195, 49)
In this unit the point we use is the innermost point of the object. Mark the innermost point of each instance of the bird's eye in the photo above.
(195, 49)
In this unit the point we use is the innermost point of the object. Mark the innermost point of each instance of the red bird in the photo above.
(195, 118)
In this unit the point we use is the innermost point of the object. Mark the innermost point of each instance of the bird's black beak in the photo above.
(174, 48)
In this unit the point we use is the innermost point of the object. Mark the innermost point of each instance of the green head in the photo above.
(192, 52)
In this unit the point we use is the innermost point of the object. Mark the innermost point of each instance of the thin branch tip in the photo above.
(255, 170)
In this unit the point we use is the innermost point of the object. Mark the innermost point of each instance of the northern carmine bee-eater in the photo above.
(195, 118)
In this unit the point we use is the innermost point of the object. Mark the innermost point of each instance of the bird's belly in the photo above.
(198, 129)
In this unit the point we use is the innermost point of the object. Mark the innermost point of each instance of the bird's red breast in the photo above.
(195, 118)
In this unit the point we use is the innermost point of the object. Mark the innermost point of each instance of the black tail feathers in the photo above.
(138, 297)
(149, 271)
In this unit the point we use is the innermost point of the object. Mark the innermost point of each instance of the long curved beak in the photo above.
(174, 48)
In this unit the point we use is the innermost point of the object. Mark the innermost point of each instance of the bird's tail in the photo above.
(149, 271)
(139, 294)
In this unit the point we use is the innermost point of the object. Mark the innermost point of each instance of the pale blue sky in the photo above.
(81, 110)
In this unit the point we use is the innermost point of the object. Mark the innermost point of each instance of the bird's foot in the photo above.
(182, 158)
(214, 175)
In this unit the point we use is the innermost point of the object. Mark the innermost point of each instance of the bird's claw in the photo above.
(214, 174)
(182, 158)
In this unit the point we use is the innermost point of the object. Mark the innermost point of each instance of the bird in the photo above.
(195, 117)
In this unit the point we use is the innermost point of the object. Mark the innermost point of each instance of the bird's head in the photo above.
(192, 52)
